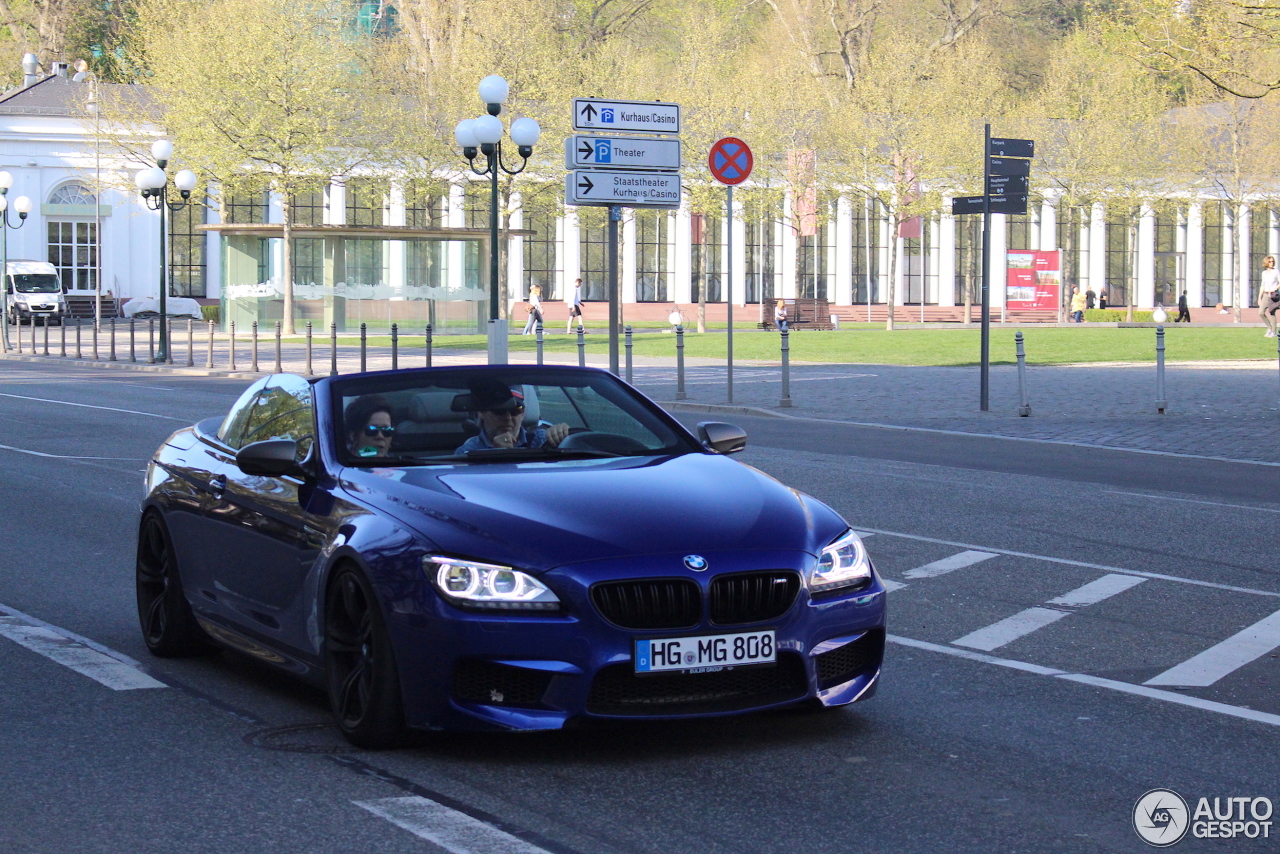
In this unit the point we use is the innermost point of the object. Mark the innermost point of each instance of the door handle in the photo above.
(217, 485)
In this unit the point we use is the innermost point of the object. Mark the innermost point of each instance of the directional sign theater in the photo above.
(626, 116)
(632, 189)
(621, 152)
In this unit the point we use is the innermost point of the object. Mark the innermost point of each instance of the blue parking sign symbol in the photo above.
(606, 114)
(604, 151)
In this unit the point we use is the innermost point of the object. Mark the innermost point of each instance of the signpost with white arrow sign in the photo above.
(632, 189)
(626, 116)
(621, 152)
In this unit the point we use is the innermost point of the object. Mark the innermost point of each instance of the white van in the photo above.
(34, 290)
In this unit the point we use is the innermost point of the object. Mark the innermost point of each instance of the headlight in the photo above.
(483, 585)
(844, 563)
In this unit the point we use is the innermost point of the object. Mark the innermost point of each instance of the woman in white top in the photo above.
(1269, 294)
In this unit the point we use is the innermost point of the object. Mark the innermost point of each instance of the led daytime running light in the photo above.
(842, 564)
(489, 586)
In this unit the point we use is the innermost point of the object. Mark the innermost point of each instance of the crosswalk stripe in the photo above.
(1224, 658)
(948, 564)
(450, 829)
(890, 585)
(1010, 629)
(1025, 622)
(1095, 591)
(101, 668)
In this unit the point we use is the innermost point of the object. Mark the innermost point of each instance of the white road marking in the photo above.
(1193, 501)
(948, 564)
(1065, 562)
(1224, 658)
(65, 456)
(891, 586)
(1096, 681)
(453, 831)
(59, 648)
(92, 406)
(1095, 591)
(1010, 629)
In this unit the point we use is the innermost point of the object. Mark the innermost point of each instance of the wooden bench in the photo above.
(802, 313)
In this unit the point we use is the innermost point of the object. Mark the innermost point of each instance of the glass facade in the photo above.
(73, 249)
(1121, 250)
(653, 236)
(541, 253)
(1219, 257)
(866, 251)
(706, 257)
(187, 265)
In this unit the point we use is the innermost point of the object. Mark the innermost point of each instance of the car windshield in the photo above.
(504, 414)
(35, 283)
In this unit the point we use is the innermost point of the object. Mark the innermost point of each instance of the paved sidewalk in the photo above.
(1224, 410)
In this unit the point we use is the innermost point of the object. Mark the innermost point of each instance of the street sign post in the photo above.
(632, 189)
(626, 116)
(583, 151)
(967, 205)
(1009, 204)
(1008, 185)
(730, 162)
(997, 147)
(1008, 166)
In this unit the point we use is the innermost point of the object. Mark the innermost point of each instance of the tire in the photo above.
(360, 668)
(168, 625)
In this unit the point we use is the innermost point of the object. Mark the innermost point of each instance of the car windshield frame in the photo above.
(646, 413)
(51, 286)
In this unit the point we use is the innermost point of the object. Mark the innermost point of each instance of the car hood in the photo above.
(547, 514)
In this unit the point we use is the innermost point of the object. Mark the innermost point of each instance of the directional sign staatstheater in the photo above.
(621, 152)
(630, 189)
(626, 116)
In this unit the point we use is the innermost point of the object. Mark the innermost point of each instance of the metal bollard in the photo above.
(168, 330)
(1024, 408)
(191, 342)
(680, 395)
(627, 330)
(231, 347)
(45, 324)
(19, 334)
(151, 340)
(1161, 403)
(395, 347)
(62, 330)
(253, 336)
(209, 361)
(582, 347)
(538, 333)
(333, 349)
(112, 357)
(133, 349)
(428, 345)
(95, 342)
(309, 371)
(278, 368)
(364, 347)
(77, 338)
(786, 369)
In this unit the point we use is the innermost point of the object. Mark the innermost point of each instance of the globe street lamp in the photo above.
(485, 134)
(23, 206)
(154, 186)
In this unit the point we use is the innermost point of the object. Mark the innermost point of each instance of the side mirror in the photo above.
(272, 458)
(721, 437)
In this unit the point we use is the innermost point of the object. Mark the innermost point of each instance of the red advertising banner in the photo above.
(1034, 280)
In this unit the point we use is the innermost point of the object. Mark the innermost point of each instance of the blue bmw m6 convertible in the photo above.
(500, 547)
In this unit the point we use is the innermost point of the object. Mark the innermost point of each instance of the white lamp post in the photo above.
(485, 133)
(21, 205)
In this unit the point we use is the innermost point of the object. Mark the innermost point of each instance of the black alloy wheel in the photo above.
(364, 686)
(168, 625)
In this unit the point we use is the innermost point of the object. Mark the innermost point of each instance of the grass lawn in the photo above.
(1048, 346)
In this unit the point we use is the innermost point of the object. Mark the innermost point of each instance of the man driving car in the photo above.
(500, 411)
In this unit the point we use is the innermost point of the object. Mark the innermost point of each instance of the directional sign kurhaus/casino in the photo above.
(626, 116)
(621, 152)
(631, 189)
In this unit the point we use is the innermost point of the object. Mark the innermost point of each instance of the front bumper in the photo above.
(468, 670)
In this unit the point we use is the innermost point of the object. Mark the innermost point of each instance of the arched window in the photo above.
(73, 194)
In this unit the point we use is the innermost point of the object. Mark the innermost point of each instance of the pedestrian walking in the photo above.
(1184, 313)
(534, 307)
(575, 308)
(1077, 305)
(1090, 299)
(1269, 295)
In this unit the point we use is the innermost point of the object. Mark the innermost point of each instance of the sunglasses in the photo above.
(372, 430)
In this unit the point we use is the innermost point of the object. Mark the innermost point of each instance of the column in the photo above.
(787, 258)
(1244, 221)
(1048, 227)
(682, 260)
(947, 257)
(1146, 297)
(1097, 228)
(932, 281)
(398, 249)
(275, 245)
(212, 254)
(739, 256)
(515, 259)
(999, 265)
(1195, 254)
(627, 283)
(843, 294)
(456, 217)
(882, 249)
(570, 250)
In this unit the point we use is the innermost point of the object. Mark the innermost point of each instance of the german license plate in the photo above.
(708, 652)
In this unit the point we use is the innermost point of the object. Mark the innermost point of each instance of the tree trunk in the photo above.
(1132, 296)
(1068, 252)
(286, 265)
(892, 296)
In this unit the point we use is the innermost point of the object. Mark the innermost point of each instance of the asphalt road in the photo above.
(996, 727)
